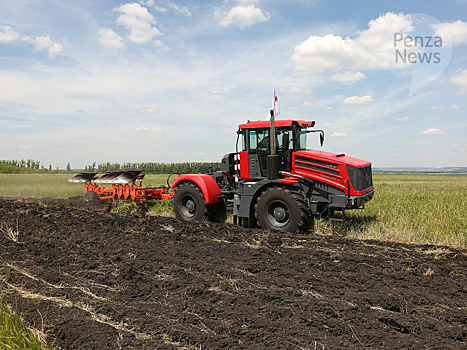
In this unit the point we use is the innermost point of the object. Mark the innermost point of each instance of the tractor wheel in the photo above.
(189, 203)
(283, 209)
(91, 196)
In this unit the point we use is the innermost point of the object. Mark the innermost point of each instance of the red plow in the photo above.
(121, 188)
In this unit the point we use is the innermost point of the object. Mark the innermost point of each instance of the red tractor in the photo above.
(273, 182)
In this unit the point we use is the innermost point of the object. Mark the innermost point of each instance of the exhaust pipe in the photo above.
(273, 158)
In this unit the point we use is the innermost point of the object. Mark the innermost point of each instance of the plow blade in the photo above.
(83, 177)
(120, 177)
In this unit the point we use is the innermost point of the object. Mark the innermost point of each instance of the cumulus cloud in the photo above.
(8, 35)
(109, 39)
(293, 90)
(41, 43)
(310, 104)
(44, 43)
(403, 119)
(460, 78)
(442, 107)
(180, 10)
(243, 15)
(338, 134)
(356, 100)
(370, 49)
(139, 21)
(432, 131)
(348, 78)
(457, 31)
(145, 129)
(146, 110)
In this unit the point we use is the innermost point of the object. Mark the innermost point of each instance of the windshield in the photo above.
(289, 138)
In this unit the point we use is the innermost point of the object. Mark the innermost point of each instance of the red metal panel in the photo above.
(244, 168)
(206, 184)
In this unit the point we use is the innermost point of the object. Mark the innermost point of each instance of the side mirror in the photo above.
(321, 138)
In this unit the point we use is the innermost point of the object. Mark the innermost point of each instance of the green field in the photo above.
(412, 208)
(409, 208)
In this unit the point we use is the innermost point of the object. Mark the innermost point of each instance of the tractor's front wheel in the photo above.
(189, 203)
(283, 209)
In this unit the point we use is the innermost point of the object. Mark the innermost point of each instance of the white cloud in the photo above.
(109, 39)
(370, 49)
(355, 100)
(293, 90)
(403, 119)
(338, 134)
(139, 21)
(145, 129)
(148, 3)
(460, 78)
(41, 43)
(309, 104)
(348, 77)
(44, 43)
(326, 125)
(160, 9)
(442, 107)
(456, 31)
(432, 131)
(146, 110)
(180, 10)
(8, 35)
(242, 16)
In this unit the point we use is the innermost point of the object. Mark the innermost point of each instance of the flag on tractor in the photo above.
(275, 103)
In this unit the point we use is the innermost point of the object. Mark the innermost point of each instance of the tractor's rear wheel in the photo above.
(91, 196)
(283, 209)
(189, 203)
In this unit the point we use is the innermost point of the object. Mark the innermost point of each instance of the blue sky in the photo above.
(169, 81)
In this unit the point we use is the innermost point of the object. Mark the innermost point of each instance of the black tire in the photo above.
(189, 203)
(216, 212)
(91, 196)
(283, 209)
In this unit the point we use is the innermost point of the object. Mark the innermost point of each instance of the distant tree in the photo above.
(68, 167)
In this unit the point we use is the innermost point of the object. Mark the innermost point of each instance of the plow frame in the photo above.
(124, 192)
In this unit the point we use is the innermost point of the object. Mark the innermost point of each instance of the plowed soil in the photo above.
(90, 279)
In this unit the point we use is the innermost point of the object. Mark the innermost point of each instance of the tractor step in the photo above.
(331, 212)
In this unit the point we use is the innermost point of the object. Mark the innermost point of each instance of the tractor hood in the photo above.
(332, 158)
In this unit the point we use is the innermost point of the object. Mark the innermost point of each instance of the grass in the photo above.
(14, 335)
(421, 209)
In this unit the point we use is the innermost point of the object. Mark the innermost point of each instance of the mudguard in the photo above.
(207, 185)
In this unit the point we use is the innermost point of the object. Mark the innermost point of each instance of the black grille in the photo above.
(360, 178)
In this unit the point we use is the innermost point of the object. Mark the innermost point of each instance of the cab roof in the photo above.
(260, 124)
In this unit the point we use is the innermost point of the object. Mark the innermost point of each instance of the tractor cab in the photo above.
(290, 135)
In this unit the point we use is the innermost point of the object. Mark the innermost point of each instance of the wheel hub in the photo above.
(188, 206)
(278, 213)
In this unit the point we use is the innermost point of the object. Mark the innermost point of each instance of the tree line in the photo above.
(34, 166)
(156, 168)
